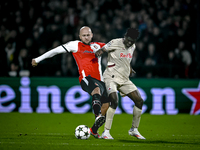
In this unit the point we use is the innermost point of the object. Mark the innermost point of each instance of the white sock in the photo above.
(136, 117)
(109, 118)
(106, 131)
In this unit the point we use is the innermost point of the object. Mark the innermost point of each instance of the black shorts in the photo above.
(88, 84)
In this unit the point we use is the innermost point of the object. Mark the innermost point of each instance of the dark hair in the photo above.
(133, 33)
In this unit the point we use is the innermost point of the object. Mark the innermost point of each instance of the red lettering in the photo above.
(126, 56)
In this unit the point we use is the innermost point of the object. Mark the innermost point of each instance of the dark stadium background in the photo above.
(168, 46)
(37, 103)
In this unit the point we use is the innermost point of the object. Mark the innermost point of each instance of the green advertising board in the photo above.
(58, 95)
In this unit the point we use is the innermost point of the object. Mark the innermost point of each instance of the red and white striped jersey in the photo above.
(87, 62)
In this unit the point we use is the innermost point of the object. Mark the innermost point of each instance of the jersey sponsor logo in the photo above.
(86, 51)
(122, 55)
(93, 47)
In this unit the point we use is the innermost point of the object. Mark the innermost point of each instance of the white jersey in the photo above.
(119, 59)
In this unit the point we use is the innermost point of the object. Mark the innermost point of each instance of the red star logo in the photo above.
(194, 95)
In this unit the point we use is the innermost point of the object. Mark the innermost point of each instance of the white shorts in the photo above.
(124, 88)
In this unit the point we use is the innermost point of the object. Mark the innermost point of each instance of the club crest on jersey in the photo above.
(109, 88)
(95, 47)
(122, 55)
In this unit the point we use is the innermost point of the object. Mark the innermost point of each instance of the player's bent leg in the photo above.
(114, 100)
(135, 123)
(96, 104)
(136, 98)
(136, 117)
(137, 111)
(100, 119)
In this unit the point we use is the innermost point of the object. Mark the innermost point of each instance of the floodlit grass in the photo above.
(56, 131)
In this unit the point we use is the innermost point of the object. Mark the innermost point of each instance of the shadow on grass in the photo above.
(155, 142)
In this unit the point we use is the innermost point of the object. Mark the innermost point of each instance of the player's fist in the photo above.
(33, 63)
(132, 72)
(99, 53)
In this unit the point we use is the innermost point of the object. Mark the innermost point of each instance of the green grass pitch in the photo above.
(20, 131)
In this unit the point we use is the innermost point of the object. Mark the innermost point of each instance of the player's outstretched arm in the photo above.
(49, 54)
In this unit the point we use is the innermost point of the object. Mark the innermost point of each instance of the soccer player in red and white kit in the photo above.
(90, 74)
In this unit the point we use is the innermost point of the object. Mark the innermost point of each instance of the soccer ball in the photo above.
(82, 132)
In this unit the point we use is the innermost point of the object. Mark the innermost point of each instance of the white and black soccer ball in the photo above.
(82, 132)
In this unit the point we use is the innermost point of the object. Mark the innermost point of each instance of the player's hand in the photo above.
(34, 64)
(99, 53)
(132, 72)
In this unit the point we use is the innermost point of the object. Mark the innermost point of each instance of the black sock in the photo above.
(95, 128)
(96, 104)
(96, 109)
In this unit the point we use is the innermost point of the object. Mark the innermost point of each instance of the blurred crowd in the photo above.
(165, 49)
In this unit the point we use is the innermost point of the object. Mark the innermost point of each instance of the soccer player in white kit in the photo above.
(116, 78)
